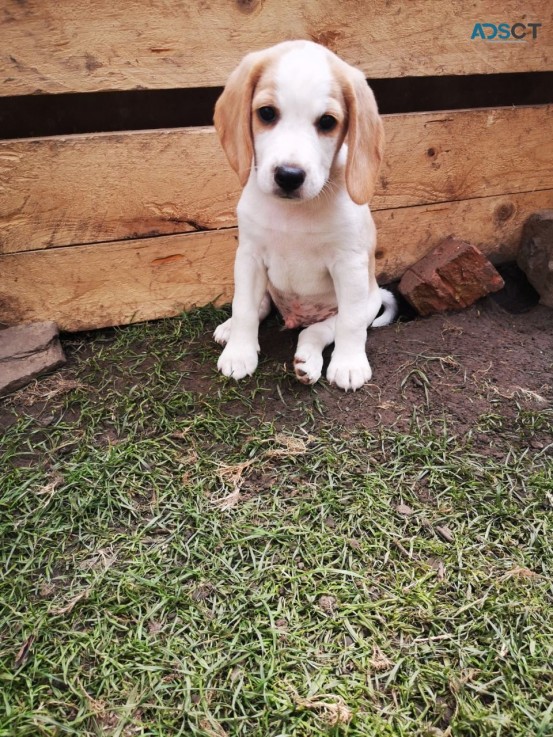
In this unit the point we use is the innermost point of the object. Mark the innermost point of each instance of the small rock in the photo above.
(26, 351)
(451, 277)
(535, 255)
(405, 510)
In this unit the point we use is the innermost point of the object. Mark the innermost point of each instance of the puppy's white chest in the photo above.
(297, 246)
(299, 282)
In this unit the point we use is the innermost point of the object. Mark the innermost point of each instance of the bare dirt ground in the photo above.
(460, 366)
(484, 362)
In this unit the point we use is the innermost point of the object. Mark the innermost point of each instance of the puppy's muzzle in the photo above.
(289, 178)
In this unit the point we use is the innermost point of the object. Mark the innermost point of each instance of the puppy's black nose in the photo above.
(289, 178)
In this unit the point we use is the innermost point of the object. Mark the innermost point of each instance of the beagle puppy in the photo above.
(301, 129)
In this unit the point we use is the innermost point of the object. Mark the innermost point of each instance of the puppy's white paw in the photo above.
(238, 361)
(349, 372)
(308, 365)
(222, 332)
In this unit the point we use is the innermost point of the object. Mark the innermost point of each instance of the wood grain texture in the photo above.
(100, 187)
(82, 287)
(95, 188)
(89, 45)
(117, 283)
(458, 155)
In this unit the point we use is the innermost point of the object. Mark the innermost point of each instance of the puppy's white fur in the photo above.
(310, 247)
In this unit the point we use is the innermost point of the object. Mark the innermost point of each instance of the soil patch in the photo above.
(461, 367)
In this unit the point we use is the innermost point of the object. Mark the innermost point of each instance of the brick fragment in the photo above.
(535, 255)
(26, 351)
(451, 277)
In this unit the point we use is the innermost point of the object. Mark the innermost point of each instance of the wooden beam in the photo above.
(95, 188)
(83, 287)
(86, 287)
(90, 45)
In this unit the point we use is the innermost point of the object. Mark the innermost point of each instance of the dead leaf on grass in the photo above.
(229, 501)
(154, 627)
(445, 533)
(202, 592)
(180, 434)
(233, 474)
(24, 652)
(46, 589)
(466, 676)
(439, 567)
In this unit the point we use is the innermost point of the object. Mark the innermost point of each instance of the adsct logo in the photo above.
(516, 32)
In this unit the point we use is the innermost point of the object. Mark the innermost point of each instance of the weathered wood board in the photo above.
(107, 187)
(83, 287)
(117, 283)
(90, 45)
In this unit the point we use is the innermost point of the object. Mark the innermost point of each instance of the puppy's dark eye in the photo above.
(327, 123)
(267, 114)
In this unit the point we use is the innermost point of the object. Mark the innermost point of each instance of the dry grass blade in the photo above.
(290, 446)
(330, 708)
(520, 572)
(57, 611)
(46, 389)
(379, 660)
(212, 728)
(232, 475)
(49, 488)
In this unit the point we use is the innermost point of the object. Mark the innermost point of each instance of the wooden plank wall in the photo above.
(88, 45)
(111, 228)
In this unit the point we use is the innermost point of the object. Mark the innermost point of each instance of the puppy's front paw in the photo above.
(308, 365)
(349, 372)
(238, 361)
(222, 332)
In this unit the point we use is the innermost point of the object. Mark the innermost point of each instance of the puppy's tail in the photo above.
(390, 309)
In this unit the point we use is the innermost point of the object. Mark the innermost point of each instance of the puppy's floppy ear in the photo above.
(232, 117)
(365, 136)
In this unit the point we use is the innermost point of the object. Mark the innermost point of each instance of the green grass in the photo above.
(180, 558)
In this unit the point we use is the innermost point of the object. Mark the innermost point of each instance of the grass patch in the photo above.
(178, 560)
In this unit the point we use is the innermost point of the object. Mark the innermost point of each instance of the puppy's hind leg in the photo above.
(222, 331)
(308, 361)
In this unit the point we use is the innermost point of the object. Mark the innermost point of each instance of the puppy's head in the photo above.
(289, 109)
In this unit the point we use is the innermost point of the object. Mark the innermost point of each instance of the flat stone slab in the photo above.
(27, 351)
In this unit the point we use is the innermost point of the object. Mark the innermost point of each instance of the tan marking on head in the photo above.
(365, 132)
(233, 110)
(336, 106)
(265, 95)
